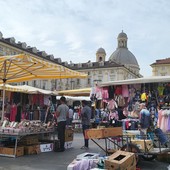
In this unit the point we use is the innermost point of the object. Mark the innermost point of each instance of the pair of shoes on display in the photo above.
(84, 147)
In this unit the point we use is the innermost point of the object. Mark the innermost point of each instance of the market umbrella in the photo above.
(22, 67)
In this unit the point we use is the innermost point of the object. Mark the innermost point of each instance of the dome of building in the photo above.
(101, 50)
(122, 55)
(122, 35)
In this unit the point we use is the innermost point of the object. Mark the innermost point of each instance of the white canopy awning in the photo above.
(34, 90)
(27, 89)
(152, 79)
(80, 98)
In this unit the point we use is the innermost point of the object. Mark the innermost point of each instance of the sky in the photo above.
(74, 30)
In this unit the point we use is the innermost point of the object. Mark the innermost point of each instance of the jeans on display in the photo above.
(31, 116)
(61, 133)
(133, 125)
(86, 141)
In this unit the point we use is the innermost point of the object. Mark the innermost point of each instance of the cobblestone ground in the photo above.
(60, 160)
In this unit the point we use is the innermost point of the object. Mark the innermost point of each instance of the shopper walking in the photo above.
(85, 116)
(62, 114)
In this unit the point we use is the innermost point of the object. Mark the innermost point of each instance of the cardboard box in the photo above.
(121, 160)
(46, 147)
(33, 149)
(94, 134)
(143, 144)
(103, 133)
(69, 135)
(11, 151)
(87, 156)
(30, 140)
(68, 145)
(164, 157)
(111, 132)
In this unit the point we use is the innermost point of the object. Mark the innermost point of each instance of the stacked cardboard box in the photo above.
(143, 145)
(31, 144)
(103, 133)
(11, 151)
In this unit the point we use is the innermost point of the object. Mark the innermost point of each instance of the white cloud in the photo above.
(74, 30)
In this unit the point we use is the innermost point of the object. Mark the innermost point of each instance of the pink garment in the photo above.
(13, 112)
(125, 90)
(159, 118)
(164, 123)
(98, 92)
(105, 94)
(168, 123)
(112, 105)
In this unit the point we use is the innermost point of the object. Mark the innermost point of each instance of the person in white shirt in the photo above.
(70, 115)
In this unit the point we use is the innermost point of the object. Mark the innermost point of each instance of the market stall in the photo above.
(16, 136)
(20, 68)
(140, 107)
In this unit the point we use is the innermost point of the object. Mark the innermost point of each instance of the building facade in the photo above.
(161, 67)
(122, 64)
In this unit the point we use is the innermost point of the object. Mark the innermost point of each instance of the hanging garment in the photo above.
(118, 90)
(105, 94)
(120, 100)
(125, 91)
(161, 136)
(13, 112)
(112, 105)
(111, 92)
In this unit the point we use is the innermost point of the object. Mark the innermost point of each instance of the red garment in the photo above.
(118, 90)
(13, 112)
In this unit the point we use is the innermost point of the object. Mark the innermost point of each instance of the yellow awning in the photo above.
(75, 92)
(22, 67)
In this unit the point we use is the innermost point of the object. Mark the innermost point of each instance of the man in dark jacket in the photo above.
(85, 116)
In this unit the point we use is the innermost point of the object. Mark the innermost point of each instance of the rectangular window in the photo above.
(78, 81)
(88, 81)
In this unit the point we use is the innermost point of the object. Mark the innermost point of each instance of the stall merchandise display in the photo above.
(24, 127)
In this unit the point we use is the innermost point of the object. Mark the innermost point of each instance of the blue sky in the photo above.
(73, 30)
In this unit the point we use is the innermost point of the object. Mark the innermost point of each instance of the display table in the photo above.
(17, 137)
(107, 134)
